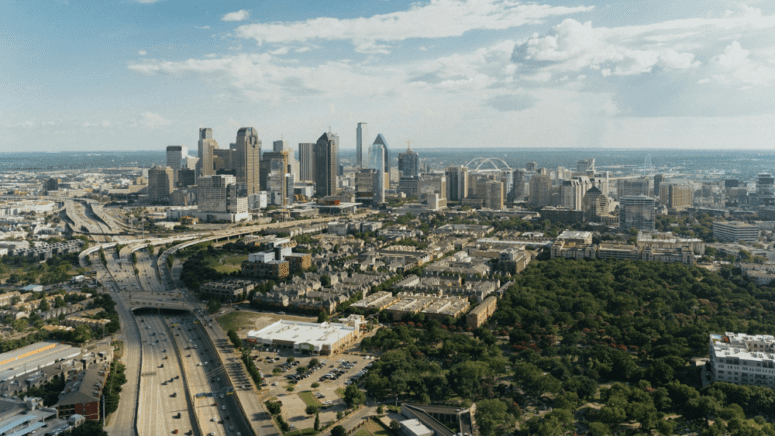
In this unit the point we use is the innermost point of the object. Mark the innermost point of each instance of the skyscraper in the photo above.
(280, 145)
(326, 164)
(377, 156)
(675, 196)
(247, 159)
(307, 161)
(206, 149)
(274, 167)
(518, 186)
(409, 163)
(360, 133)
(175, 154)
(457, 183)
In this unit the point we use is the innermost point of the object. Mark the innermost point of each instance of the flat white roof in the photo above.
(317, 335)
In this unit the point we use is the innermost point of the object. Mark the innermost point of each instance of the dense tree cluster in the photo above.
(607, 344)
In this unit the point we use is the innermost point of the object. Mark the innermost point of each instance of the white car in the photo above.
(223, 407)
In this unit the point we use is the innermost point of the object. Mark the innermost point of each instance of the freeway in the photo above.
(122, 422)
(164, 404)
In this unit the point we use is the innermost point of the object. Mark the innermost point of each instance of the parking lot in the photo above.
(332, 373)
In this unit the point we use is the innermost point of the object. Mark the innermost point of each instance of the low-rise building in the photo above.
(743, 359)
(481, 313)
(446, 307)
(324, 338)
(378, 300)
(735, 231)
(409, 303)
(228, 289)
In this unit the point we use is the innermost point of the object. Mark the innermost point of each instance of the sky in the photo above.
(123, 75)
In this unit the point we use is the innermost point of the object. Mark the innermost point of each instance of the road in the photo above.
(164, 405)
(354, 419)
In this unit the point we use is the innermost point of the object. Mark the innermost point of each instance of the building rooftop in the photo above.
(297, 332)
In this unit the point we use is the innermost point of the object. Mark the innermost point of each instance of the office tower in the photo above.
(361, 133)
(206, 149)
(409, 163)
(247, 159)
(290, 181)
(457, 183)
(676, 197)
(221, 194)
(628, 188)
(274, 167)
(637, 211)
(161, 183)
(307, 161)
(585, 165)
(365, 182)
(657, 181)
(541, 188)
(190, 162)
(175, 155)
(594, 205)
(326, 164)
(280, 145)
(377, 156)
(225, 159)
(765, 190)
(518, 186)
(531, 166)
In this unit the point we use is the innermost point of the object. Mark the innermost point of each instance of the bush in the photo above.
(274, 407)
(312, 409)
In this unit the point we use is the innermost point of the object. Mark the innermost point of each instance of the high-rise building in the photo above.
(307, 161)
(221, 194)
(457, 183)
(280, 145)
(326, 164)
(531, 166)
(175, 155)
(186, 177)
(247, 159)
(361, 133)
(674, 196)
(657, 181)
(585, 165)
(541, 188)
(365, 182)
(51, 184)
(274, 167)
(637, 211)
(594, 205)
(493, 198)
(628, 188)
(572, 192)
(377, 156)
(409, 163)
(206, 149)
(517, 192)
(160, 184)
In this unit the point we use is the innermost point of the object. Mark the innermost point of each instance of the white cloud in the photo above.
(437, 19)
(142, 52)
(203, 27)
(154, 121)
(735, 66)
(240, 15)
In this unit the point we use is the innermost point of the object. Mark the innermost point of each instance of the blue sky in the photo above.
(143, 74)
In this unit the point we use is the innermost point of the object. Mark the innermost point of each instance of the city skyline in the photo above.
(444, 73)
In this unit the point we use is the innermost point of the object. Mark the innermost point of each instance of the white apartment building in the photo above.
(743, 359)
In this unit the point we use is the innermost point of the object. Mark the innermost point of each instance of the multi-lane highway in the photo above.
(164, 402)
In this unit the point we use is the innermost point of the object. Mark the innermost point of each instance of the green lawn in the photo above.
(304, 432)
(340, 392)
(237, 320)
(309, 399)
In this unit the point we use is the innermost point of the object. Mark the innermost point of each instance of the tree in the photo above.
(598, 429)
(290, 359)
(395, 425)
(338, 431)
(322, 316)
(82, 333)
(213, 306)
(490, 414)
(325, 280)
(44, 305)
(314, 361)
(273, 407)
(317, 422)
(354, 396)
(312, 409)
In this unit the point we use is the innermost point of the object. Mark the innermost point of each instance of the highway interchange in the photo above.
(154, 396)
